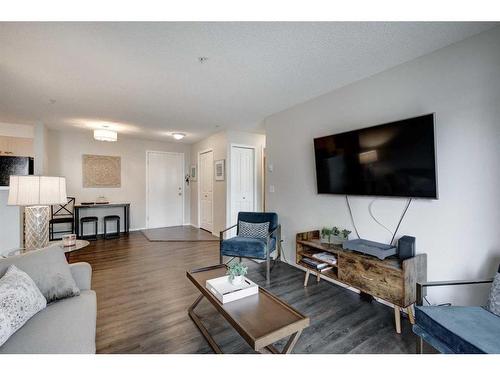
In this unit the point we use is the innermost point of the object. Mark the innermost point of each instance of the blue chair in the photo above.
(456, 329)
(254, 248)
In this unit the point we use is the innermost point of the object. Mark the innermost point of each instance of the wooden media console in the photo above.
(391, 280)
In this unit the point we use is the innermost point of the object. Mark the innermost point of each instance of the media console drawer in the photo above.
(372, 278)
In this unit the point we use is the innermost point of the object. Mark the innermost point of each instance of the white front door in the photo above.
(165, 201)
(206, 174)
(242, 181)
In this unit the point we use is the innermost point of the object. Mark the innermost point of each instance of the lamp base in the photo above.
(36, 227)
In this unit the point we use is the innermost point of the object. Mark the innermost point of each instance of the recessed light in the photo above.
(178, 136)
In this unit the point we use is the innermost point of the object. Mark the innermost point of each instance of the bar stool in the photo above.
(111, 218)
(89, 219)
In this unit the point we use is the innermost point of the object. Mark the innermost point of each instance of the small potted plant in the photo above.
(345, 234)
(326, 235)
(236, 271)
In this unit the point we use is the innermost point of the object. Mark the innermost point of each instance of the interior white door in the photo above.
(242, 181)
(206, 174)
(165, 189)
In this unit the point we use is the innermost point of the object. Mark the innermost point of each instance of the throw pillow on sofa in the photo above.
(49, 270)
(20, 299)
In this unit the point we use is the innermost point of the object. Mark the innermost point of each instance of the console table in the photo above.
(126, 214)
(391, 280)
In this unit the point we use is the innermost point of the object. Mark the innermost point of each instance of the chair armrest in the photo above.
(277, 229)
(221, 233)
(422, 285)
(82, 273)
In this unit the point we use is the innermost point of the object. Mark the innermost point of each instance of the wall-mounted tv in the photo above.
(396, 159)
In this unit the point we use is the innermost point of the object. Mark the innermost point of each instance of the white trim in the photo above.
(229, 176)
(182, 182)
(199, 187)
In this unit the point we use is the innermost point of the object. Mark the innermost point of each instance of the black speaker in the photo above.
(406, 247)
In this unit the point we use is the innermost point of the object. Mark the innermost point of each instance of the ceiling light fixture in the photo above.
(178, 136)
(105, 135)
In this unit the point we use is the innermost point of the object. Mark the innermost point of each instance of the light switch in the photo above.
(270, 167)
(271, 188)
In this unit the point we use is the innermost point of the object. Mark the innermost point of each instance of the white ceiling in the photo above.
(145, 78)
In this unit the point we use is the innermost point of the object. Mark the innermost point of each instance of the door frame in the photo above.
(182, 179)
(199, 187)
(229, 197)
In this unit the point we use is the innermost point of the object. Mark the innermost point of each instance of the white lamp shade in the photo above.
(36, 190)
(105, 135)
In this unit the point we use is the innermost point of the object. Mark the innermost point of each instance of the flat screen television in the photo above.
(396, 159)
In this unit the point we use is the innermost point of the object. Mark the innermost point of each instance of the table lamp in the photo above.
(36, 193)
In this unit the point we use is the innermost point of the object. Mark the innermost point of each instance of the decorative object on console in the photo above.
(236, 271)
(220, 172)
(339, 236)
(101, 171)
(101, 200)
(391, 280)
(36, 193)
(406, 247)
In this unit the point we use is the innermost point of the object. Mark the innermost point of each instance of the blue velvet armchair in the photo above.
(456, 329)
(254, 248)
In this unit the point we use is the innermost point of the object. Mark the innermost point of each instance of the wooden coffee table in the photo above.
(261, 319)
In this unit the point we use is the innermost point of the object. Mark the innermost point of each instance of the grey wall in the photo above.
(460, 232)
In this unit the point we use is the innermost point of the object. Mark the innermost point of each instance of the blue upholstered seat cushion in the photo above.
(247, 247)
(461, 329)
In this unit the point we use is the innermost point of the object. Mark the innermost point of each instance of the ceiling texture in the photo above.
(146, 79)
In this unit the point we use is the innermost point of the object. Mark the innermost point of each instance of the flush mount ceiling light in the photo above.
(105, 135)
(178, 136)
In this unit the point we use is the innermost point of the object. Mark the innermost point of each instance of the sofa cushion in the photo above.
(66, 326)
(20, 299)
(462, 329)
(247, 247)
(49, 270)
(494, 298)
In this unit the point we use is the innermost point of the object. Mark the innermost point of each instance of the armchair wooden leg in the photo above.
(306, 279)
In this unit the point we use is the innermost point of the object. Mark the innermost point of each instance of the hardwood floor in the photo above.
(143, 296)
(179, 233)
